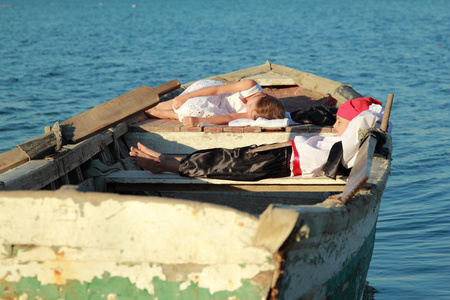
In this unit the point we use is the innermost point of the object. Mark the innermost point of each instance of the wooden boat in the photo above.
(79, 221)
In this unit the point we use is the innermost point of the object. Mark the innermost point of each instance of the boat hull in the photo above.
(168, 237)
(75, 245)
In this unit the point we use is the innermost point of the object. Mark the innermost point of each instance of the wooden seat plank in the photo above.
(144, 180)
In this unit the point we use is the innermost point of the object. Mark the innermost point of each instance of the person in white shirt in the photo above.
(214, 102)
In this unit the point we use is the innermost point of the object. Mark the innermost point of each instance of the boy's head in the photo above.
(349, 110)
(265, 106)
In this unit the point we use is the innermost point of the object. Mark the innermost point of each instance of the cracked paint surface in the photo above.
(63, 247)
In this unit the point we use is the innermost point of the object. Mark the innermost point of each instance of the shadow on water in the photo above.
(369, 292)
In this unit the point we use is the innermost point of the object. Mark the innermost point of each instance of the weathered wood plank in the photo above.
(156, 125)
(146, 181)
(189, 186)
(41, 145)
(37, 174)
(32, 149)
(91, 122)
(387, 113)
(114, 111)
(167, 87)
(171, 143)
(12, 158)
(147, 176)
(108, 114)
(361, 169)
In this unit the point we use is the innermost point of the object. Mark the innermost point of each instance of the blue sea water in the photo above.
(59, 58)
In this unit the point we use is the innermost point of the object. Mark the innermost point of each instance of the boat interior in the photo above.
(101, 162)
(171, 137)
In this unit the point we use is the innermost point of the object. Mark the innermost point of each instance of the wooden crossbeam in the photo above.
(145, 181)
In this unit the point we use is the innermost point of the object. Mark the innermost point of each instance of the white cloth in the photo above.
(253, 90)
(263, 122)
(208, 106)
(313, 152)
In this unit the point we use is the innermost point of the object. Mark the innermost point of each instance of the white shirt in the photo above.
(313, 152)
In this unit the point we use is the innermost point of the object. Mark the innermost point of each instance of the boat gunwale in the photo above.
(339, 91)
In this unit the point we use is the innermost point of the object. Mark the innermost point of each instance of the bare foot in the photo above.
(148, 151)
(150, 113)
(156, 154)
(154, 164)
(146, 161)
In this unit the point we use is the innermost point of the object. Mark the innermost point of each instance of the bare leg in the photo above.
(153, 164)
(161, 114)
(166, 105)
(163, 110)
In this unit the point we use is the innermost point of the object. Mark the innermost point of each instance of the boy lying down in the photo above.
(305, 156)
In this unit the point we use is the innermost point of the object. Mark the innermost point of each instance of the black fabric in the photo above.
(237, 164)
(333, 166)
(318, 115)
(333, 161)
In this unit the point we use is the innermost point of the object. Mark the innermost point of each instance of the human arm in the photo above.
(214, 90)
(218, 120)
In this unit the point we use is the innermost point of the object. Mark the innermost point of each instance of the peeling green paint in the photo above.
(120, 289)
